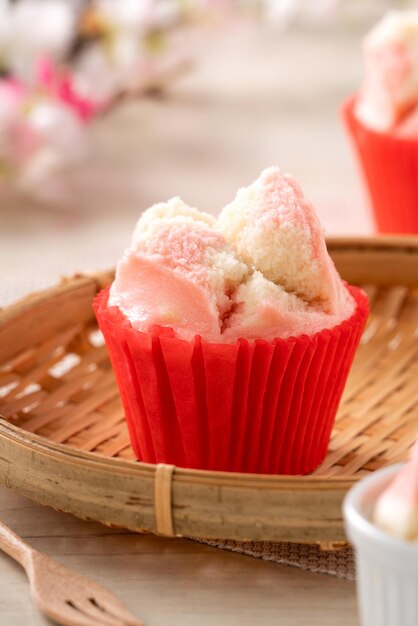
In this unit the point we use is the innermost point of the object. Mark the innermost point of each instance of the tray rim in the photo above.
(187, 489)
(16, 441)
(59, 450)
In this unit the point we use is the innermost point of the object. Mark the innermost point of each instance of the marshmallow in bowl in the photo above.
(396, 510)
(260, 271)
(390, 90)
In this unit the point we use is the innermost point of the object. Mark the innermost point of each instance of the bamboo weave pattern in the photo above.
(63, 389)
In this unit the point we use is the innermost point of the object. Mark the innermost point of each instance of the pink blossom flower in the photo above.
(58, 84)
(17, 140)
(42, 130)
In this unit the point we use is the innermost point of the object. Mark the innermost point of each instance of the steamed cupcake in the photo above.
(231, 339)
(383, 121)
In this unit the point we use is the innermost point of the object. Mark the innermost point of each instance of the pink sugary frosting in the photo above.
(184, 273)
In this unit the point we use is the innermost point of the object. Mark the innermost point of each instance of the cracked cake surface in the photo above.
(261, 270)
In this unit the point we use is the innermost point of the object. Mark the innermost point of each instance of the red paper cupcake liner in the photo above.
(262, 406)
(390, 170)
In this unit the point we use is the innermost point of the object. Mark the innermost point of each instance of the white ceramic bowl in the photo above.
(387, 568)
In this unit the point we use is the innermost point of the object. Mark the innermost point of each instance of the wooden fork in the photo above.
(62, 594)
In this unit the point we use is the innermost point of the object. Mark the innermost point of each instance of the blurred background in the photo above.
(107, 107)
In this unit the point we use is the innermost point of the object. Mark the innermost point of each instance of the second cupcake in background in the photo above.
(231, 339)
(383, 121)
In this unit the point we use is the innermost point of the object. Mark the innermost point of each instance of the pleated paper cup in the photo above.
(262, 406)
(390, 169)
(387, 568)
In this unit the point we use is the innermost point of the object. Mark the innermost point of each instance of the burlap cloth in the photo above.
(310, 557)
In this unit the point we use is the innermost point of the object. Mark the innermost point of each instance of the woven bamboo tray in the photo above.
(63, 440)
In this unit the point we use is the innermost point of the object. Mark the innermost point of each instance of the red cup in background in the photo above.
(390, 169)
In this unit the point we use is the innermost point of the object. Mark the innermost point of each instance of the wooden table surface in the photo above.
(256, 99)
(169, 581)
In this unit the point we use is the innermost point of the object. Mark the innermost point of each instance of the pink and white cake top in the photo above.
(274, 229)
(260, 271)
(389, 95)
(396, 511)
